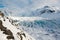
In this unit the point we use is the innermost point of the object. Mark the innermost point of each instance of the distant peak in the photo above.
(46, 7)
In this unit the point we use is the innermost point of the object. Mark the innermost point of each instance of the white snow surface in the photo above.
(14, 30)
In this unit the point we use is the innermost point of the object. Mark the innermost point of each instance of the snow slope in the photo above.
(17, 34)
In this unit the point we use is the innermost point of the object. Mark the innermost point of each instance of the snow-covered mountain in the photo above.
(47, 12)
(46, 26)
(10, 32)
(43, 25)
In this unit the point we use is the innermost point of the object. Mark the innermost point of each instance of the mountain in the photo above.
(43, 25)
(47, 12)
(10, 32)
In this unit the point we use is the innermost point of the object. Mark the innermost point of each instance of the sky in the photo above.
(25, 6)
